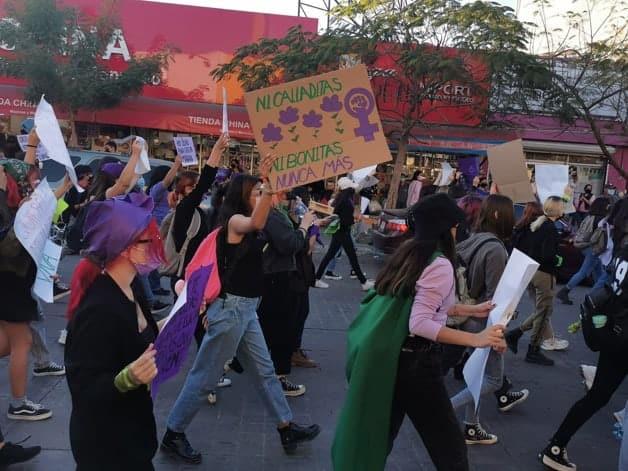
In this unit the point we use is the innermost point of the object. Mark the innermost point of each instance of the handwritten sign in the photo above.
(508, 167)
(512, 284)
(40, 153)
(51, 138)
(318, 127)
(173, 341)
(46, 269)
(185, 148)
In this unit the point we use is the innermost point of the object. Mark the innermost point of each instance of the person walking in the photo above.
(591, 265)
(109, 353)
(538, 239)
(414, 190)
(232, 326)
(344, 208)
(485, 257)
(395, 349)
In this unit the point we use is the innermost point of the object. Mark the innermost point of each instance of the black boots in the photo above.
(512, 339)
(563, 295)
(294, 434)
(177, 444)
(535, 356)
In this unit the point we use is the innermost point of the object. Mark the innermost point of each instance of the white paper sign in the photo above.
(512, 284)
(445, 174)
(186, 150)
(49, 132)
(46, 269)
(181, 300)
(40, 153)
(143, 165)
(225, 115)
(552, 180)
(33, 220)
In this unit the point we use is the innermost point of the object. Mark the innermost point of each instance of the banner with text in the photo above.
(318, 127)
(186, 150)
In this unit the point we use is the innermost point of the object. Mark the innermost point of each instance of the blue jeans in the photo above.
(601, 281)
(493, 378)
(590, 265)
(233, 331)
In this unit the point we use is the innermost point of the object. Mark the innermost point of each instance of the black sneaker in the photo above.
(353, 276)
(28, 410)
(507, 401)
(177, 444)
(294, 434)
(563, 295)
(291, 389)
(12, 453)
(474, 434)
(330, 275)
(534, 355)
(159, 307)
(161, 292)
(59, 290)
(512, 339)
(555, 457)
(52, 369)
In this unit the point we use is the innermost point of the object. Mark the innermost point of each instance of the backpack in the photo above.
(175, 260)
(599, 240)
(464, 296)
(585, 231)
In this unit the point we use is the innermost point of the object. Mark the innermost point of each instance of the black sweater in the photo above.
(541, 244)
(185, 211)
(109, 429)
(345, 210)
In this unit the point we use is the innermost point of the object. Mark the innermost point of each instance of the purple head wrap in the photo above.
(113, 169)
(112, 225)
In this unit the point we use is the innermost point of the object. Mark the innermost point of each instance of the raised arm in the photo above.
(63, 188)
(31, 148)
(172, 173)
(126, 177)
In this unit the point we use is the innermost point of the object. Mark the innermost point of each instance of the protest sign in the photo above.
(186, 150)
(49, 132)
(40, 153)
(512, 284)
(225, 114)
(173, 341)
(46, 269)
(553, 180)
(318, 127)
(445, 175)
(508, 168)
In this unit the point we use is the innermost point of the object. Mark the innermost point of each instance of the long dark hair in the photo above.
(503, 224)
(404, 268)
(600, 206)
(102, 183)
(237, 199)
(218, 196)
(619, 220)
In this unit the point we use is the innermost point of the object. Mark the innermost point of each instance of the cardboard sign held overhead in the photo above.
(318, 127)
(507, 164)
(186, 149)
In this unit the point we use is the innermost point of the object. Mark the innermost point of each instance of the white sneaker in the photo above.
(223, 382)
(62, 336)
(321, 284)
(588, 375)
(555, 344)
(367, 285)
(212, 398)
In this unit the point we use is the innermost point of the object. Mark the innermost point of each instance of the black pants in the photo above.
(303, 310)
(341, 239)
(278, 318)
(612, 368)
(420, 394)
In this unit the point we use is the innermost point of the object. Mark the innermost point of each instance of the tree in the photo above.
(586, 56)
(430, 45)
(58, 51)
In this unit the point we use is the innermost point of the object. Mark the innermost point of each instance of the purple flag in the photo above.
(173, 341)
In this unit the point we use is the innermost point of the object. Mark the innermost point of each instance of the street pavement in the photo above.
(238, 434)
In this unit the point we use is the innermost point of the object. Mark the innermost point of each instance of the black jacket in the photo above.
(284, 242)
(109, 429)
(539, 241)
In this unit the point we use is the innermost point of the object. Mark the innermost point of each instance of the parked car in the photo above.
(391, 230)
(55, 172)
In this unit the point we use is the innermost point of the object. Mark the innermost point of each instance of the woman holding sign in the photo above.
(109, 354)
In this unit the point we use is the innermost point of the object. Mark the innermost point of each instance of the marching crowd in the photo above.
(422, 316)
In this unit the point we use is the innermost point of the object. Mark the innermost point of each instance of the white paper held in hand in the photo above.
(185, 149)
(512, 284)
(225, 115)
(49, 132)
(143, 165)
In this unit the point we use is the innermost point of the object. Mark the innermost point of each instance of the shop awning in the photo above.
(143, 112)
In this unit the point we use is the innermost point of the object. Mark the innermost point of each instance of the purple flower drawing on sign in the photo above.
(331, 104)
(312, 120)
(289, 115)
(272, 133)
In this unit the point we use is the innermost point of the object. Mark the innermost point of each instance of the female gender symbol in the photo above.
(360, 103)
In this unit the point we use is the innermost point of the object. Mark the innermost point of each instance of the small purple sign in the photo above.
(360, 103)
(173, 341)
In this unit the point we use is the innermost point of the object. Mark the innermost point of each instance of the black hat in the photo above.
(434, 215)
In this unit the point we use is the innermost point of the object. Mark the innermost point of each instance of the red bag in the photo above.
(206, 255)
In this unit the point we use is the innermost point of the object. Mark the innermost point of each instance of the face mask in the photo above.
(147, 267)
(151, 245)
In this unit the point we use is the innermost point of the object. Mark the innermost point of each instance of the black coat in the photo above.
(109, 429)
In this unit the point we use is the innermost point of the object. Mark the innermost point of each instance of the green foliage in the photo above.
(58, 52)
